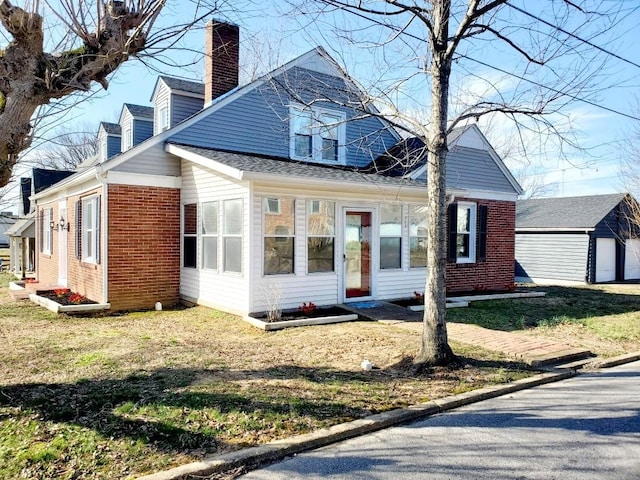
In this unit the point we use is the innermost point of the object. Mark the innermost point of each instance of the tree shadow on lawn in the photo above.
(560, 305)
(94, 404)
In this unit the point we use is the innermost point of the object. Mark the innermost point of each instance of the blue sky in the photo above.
(265, 28)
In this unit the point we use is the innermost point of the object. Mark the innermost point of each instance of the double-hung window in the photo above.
(467, 232)
(127, 138)
(210, 235)
(46, 244)
(190, 235)
(163, 118)
(89, 230)
(321, 219)
(390, 236)
(232, 235)
(279, 235)
(417, 236)
(317, 134)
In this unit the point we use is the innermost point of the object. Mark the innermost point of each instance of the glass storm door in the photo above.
(357, 247)
(62, 246)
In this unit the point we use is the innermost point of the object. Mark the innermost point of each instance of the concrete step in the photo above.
(558, 358)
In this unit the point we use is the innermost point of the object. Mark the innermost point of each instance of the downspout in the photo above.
(101, 176)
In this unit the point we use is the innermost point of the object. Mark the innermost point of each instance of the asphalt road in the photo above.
(586, 427)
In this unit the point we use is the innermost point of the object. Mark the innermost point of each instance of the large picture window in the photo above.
(279, 234)
(417, 236)
(390, 236)
(190, 235)
(210, 235)
(321, 219)
(232, 235)
(317, 134)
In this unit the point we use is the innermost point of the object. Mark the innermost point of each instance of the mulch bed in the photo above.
(299, 315)
(66, 298)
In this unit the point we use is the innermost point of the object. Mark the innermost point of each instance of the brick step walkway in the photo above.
(534, 351)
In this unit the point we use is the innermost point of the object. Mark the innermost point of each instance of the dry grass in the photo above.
(118, 396)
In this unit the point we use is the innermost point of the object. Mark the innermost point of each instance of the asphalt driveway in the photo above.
(586, 427)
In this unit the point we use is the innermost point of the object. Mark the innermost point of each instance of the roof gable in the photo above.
(566, 213)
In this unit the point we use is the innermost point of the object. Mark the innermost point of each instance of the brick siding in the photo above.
(497, 271)
(144, 246)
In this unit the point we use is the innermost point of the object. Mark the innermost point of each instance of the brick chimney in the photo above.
(221, 62)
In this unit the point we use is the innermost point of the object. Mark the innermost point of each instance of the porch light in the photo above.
(52, 224)
(63, 225)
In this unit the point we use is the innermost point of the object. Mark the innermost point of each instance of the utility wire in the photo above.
(573, 97)
(560, 29)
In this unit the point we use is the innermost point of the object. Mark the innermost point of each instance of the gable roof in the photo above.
(138, 111)
(565, 213)
(111, 128)
(468, 167)
(181, 85)
(239, 164)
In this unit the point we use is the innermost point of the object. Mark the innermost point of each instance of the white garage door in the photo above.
(632, 259)
(605, 259)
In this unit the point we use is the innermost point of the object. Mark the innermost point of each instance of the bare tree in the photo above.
(423, 43)
(88, 41)
(68, 147)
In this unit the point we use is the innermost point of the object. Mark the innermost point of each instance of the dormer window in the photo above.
(128, 138)
(317, 134)
(163, 119)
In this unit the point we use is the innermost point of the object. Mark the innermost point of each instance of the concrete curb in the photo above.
(279, 449)
(613, 361)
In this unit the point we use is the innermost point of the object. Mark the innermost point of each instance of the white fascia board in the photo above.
(142, 180)
(488, 195)
(554, 230)
(204, 162)
(329, 184)
(76, 179)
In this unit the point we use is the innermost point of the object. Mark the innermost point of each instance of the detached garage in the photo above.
(587, 239)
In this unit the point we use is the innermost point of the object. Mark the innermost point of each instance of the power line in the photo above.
(573, 97)
(560, 29)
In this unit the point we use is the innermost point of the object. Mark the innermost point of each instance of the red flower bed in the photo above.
(64, 296)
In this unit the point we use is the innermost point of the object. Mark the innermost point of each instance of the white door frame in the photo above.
(343, 252)
(63, 239)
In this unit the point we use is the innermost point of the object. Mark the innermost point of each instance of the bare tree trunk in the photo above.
(434, 348)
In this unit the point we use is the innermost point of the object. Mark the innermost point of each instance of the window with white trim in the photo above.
(321, 231)
(127, 137)
(209, 231)
(417, 236)
(278, 222)
(390, 236)
(317, 134)
(46, 243)
(90, 219)
(466, 233)
(189, 235)
(232, 235)
(163, 118)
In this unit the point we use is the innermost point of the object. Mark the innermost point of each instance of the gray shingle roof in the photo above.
(565, 212)
(139, 110)
(288, 168)
(184, 85)
(111, 128)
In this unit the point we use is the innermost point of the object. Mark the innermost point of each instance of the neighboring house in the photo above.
(22, 234)
(7, 220)
(587, 239)
(274, 191)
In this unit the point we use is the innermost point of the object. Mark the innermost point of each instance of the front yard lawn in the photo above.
(602, 318)
(124, 395)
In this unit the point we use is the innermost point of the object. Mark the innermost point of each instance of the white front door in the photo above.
(357, 254)
(605, 260)
(63, 232)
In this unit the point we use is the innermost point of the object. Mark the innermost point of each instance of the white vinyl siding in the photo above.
(216, 289)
